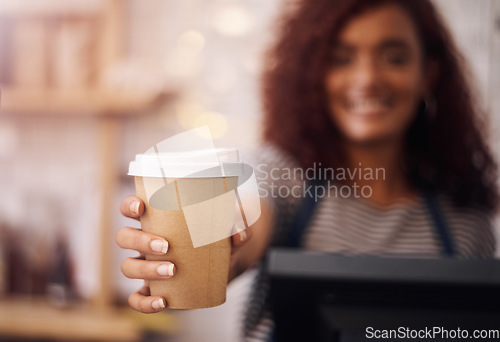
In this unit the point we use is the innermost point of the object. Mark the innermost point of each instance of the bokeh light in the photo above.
(191, 43)
(187, 112)
(232, 20)
(215, 121)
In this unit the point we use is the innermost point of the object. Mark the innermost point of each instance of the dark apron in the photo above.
(306, 211)
(309, 204)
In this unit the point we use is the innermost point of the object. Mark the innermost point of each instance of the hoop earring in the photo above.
(430, 106)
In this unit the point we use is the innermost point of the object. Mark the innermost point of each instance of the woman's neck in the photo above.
(389, 183)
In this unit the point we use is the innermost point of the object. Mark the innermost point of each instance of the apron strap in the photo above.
(440, 226)
(305, 211)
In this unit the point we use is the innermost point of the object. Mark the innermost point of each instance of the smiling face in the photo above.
(376, 79)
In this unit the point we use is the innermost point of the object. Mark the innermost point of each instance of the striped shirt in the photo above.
(353, 226)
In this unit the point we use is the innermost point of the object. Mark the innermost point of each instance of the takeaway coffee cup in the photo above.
(190, 200)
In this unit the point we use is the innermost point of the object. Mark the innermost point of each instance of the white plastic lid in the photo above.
(189, 164)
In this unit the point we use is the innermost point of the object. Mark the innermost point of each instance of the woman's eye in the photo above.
(340, 59)
(396, 58)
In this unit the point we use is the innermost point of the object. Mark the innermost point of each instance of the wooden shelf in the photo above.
(95, 102)
(33, 318)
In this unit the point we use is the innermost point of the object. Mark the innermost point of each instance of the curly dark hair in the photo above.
(445, 153)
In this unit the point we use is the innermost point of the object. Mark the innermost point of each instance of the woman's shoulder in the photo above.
(472, 228)
(473, 216)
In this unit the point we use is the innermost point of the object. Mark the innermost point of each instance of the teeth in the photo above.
(367, 104)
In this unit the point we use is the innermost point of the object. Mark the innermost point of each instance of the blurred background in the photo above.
(87, 84)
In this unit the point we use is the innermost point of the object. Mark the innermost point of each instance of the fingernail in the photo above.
(158, 245)
(158, 304)
(165, 270)
(243, 236)
(134, 207)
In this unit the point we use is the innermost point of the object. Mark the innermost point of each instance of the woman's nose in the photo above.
(366, 74)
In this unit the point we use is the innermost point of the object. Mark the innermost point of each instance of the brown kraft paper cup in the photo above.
(201, 273)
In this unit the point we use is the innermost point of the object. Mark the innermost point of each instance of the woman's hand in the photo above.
(237, 241)
(139, 268)
(146, 243)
